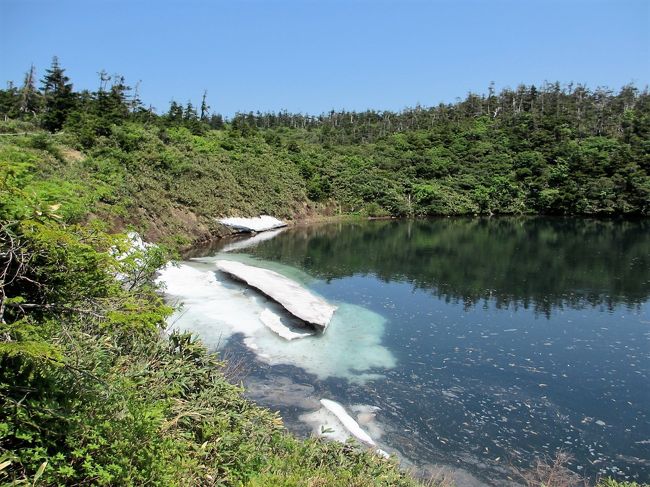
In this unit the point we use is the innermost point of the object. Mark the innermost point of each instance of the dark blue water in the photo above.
(513, 338)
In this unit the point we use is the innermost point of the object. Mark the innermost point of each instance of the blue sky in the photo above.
(313, 56)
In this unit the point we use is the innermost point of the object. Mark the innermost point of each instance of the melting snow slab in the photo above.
(257, 224)
(274, 323)
(346, 420)
(333, 422)
(297, 300)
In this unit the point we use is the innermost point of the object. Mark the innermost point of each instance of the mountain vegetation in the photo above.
(93, 391)
(553, 149)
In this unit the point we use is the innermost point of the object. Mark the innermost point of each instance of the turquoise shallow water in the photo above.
(503, 339)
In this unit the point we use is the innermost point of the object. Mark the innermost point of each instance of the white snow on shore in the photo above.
(256, 224)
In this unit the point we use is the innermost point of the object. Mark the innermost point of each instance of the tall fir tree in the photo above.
(58, 95)
(205, 108)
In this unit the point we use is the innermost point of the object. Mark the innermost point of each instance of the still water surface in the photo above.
(483, 342)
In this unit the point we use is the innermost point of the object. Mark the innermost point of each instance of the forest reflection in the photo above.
(544, 263)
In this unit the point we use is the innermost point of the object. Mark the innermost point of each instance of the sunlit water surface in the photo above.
(485, 343)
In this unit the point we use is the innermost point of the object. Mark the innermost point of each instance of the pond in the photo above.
(471, 344)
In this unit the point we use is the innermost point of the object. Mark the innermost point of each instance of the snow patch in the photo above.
(257, 224)
(333, 422)
(137, 243)
(346, 420)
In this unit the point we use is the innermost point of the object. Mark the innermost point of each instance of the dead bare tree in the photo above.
(551, 472)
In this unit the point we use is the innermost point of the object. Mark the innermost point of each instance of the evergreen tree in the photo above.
(59, 97)
(115, 102)
(205, 108)
(190, 112)
(191, 120)
(29, 95)
(9, 101)
(216, 121)
(135, 105)
(111, 107)
(175, 113)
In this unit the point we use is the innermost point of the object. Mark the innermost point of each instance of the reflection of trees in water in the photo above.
(544, 263)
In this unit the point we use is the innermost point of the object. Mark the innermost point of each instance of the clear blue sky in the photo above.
(313, 56)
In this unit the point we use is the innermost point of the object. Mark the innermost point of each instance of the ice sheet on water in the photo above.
(286, 270)
(273, 322)
(216, 308)
(209, 307)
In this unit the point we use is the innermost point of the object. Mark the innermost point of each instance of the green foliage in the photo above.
(302, 465)
(608, 482)
(169, 398)
(373, 210)
(438, 199)
(92, 392)
(548, 150)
